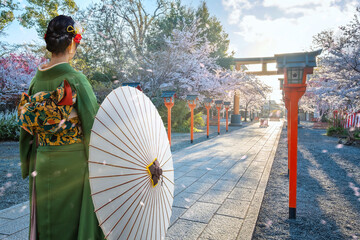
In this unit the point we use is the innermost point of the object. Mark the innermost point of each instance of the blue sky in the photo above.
(255, 27)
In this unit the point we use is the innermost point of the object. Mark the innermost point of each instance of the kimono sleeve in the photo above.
(27, 147)
(87, 107)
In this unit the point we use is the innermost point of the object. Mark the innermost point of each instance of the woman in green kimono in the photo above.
(56, 159)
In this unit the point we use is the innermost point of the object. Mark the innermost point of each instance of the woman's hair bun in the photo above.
(57, 37)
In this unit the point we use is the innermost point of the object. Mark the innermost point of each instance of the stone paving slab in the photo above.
(201, 212)
(221, 227)
(219, 187)
(214, 196)
(184, 229)
(234, 208)
(238, 185)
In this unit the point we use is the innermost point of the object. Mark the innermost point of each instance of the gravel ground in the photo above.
(15, 190)
(328, 191)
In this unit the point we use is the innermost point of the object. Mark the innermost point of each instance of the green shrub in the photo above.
(336, 131)
(357, 134)
(180, 117)
(9, 130)
(101, 90)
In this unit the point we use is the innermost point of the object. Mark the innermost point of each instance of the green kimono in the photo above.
(64, 208)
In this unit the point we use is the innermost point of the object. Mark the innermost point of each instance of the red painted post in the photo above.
(218, 104)
(287, 105)
(218, 120)
(169, 105)
(192, 107)
(293, 93)
(207, 122)
(192, 126)
(191, 99)
(227, 119)
(295, 67)
(207, 104)
(293, 157)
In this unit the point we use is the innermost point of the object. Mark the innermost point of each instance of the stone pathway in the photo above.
(219, 187)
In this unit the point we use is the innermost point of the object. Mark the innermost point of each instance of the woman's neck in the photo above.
(57, 59)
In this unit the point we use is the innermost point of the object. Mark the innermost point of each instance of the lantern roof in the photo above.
(219, 102)
(131, 84)
(301, 59)
(167, 94)
(191, 97)
(227, 103)
(208, 100)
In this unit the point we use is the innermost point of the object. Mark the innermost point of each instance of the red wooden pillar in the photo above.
(207, 104)
(218, 104)
(169, 101)
(192, 104)
(227, 106)
(169, 105)
(293, 92)
(192, 107)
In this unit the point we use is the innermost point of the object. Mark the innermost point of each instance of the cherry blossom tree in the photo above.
(185, 64)
(16, 72)
(336, 82)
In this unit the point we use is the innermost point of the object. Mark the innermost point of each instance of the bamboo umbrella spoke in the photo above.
(136, 132)
(116, 137)
(126, 126)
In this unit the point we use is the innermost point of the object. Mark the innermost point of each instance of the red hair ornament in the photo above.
(77, 38)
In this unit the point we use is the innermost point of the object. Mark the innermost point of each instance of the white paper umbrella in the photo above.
(128, 149)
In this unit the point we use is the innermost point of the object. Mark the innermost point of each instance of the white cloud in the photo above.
(295, 3)
(265, 37)
(235, 8)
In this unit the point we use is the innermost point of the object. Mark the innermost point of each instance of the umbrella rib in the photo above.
(170, 170)
(142, 128)
(122, 151)
(119, 158)
(137, 125)
(153, 129)
(161, 210)
(128, 130)
(137, 216)
(113, 188)
(166, 161)
(168, 190)
(150, 129)
(118, 137)
(158, 146)
(151, 210)
(147, 190)
(168, 202)
(118, 175)
(154, 214)
(113, 165)
(167, 199)
(125, 211)
(147, 210)
(143, 183)
(144, 148)
(164, 209)
(163, 153)
(157, 215)
(168, 179)
(147, 122)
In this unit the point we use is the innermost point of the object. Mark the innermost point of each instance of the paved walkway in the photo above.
(219, 187)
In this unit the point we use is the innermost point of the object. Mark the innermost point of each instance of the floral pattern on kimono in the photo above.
(51, 115)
